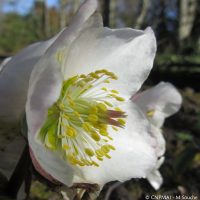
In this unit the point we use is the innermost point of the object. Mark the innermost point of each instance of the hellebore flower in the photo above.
(82, 125)
(157, 103)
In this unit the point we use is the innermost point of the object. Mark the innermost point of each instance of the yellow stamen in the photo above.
(150, 113)
(89, 152)
(78, 123)
(93, 118)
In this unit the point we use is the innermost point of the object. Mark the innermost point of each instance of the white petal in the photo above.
(5, 61)
(46, 78)
(78, 23)
(155, 177)
(14, 78)
(53, 164)
(134, 156)
(39, 168)
(164, 99)
(126, 52)
(44, 90)
(160, 140)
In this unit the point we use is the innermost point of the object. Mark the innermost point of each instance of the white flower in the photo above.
(157, 103)
(83, 127)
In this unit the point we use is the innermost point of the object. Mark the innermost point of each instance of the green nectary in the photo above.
(78, 123)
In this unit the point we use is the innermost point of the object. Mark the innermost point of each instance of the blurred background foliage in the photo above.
(177, 27)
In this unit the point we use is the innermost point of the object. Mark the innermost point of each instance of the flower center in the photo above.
(78, 123)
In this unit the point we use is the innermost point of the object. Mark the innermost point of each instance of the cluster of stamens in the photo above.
(78, 123)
